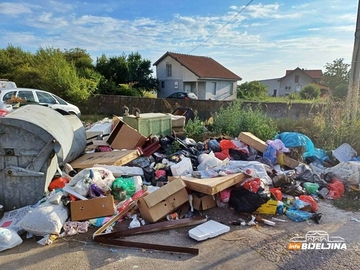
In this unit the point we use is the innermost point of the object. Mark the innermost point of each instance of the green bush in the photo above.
(310, 91)
(234, 119)
(195, 129)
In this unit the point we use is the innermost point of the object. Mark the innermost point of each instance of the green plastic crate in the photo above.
(150, 123)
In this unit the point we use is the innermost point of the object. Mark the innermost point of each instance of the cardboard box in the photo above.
(125, 137)
(93, 208)
(214, 185)
(260, 145)
(203, 201)
(163, 201)
(268, 208)
(116, 158)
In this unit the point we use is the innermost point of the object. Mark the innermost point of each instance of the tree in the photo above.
(129, 70)
(251, 90)
(11, 59)
(310, 91)
(336, 76)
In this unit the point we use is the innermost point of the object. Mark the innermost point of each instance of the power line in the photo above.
(221, 27)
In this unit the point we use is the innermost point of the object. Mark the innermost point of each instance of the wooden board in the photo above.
(260, 145)
(117, 158)
(214, 185)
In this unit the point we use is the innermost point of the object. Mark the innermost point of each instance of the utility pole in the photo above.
(354, 83)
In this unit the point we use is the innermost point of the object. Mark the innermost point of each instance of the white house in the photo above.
(198, 74)
(293, 81)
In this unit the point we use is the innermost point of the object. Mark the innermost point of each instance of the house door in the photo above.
(187, 88)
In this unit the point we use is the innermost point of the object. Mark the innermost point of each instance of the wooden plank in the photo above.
(214, 185)
(260, 145)
(116, 158)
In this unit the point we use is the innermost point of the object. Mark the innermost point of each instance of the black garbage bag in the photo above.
(245, 201)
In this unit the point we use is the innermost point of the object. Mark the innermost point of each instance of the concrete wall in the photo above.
(112, 105)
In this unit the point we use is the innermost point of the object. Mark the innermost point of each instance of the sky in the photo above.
(255, 39)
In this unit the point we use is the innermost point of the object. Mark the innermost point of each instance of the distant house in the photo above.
(198, 74)
(293, 81)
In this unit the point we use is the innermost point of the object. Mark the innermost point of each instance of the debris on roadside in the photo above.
(164, 180)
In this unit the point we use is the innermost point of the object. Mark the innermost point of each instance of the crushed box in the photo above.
(125, 137)
(93, 208)
(203, 201)
(163, 201)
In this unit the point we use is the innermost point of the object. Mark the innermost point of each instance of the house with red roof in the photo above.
(293, 81)
(201, 75)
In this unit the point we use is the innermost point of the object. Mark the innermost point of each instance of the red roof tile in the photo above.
(201, 66)
(314, 73)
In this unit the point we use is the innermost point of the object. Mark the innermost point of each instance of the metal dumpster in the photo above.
(34, 141)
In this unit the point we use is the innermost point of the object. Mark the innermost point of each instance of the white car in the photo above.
(28, 95)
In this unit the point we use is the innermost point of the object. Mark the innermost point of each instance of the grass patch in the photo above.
(350, 201)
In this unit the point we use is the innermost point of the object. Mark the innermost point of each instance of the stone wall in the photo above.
(112, 105)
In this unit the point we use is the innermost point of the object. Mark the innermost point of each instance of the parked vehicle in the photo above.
(23, 96)
(4, 84)
(183, 95)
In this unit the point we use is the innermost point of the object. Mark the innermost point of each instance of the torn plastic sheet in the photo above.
(261, 169)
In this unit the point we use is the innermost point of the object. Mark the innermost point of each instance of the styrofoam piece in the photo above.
(207, 230)
(344, 152)
(98, 129)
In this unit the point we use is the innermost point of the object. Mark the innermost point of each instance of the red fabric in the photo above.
(276, 192)
(222, 155)
(310, 200)
(253, 185)
(59, 182)
(336, 189)
(227, 144)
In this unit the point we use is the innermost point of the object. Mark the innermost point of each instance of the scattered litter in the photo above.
(354, 219)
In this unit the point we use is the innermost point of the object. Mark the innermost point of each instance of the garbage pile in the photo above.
(165, 181)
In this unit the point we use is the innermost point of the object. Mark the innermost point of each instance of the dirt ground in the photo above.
(244, 247)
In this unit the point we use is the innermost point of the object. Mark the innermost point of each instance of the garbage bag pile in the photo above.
(270, 186)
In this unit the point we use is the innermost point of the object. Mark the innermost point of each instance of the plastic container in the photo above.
(35, 141)
(150, 123)
(207, 230)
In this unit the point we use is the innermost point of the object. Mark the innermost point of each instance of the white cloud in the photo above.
(13, 9)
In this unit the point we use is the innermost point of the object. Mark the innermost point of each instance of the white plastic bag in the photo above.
(45, 219)
(9, 239)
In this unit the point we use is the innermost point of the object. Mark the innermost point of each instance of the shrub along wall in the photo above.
(112, 105)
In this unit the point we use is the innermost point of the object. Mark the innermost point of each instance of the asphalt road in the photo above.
(244, 247)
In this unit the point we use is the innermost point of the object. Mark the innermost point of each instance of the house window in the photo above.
(168, 70)
(296, 78)
(176, 85)
(162, 84)
(231, 89)
(214, 88)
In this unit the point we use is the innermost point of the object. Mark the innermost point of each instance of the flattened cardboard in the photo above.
(214, 185)
(93, 208)
(117, 158)
(203, 202)
(163, 201)
(125, 137)
(260, 145)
